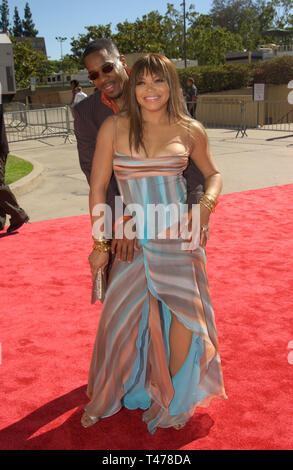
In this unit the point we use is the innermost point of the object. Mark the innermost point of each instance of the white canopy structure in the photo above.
(7, 77)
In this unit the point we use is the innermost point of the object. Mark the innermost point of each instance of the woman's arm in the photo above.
(203, 159)
(102, 167)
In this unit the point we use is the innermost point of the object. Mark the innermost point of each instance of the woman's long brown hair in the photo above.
(154, 64)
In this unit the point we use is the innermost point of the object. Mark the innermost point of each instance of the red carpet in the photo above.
(48, 328)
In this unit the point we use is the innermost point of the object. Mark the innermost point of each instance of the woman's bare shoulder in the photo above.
(197, 128)
(199, 140)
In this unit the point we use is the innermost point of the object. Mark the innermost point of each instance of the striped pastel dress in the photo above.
(130, 360)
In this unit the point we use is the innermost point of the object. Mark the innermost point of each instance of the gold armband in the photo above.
(209, 201)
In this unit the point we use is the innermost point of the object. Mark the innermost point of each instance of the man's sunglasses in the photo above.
(107, 68)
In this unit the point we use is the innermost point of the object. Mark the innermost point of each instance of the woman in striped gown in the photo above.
(156, 346)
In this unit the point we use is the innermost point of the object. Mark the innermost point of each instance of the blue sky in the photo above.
(67, 18)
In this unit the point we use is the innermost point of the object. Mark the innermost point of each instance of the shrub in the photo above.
(278, 71)
(209, 78)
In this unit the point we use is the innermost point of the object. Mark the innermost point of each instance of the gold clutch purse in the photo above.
(99, 287)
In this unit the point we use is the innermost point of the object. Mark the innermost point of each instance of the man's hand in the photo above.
(124, 247)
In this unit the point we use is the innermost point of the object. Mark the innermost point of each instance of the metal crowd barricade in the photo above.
(35, 122)
(274, 115)
(221, 114)
(241, 115)
(40, 123)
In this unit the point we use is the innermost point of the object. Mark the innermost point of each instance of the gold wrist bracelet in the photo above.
(101, 244)
(102, 248)
(212, 198)
(209, 201)
(206, 205)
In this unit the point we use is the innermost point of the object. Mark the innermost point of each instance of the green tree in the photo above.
(209, 44)
(250, 29)
(239, 16)
(55, 65)
(144, 35)
(230, 13)
(4, 10)
(17, 24)
(206, 41)
(252, 18)
(126, 37)
(151, 33)
(154, 33)
(68, 64)
(266, 15)
(28, 25)
(93, 32)
(282, 12)
(29, 63)
(174, 31)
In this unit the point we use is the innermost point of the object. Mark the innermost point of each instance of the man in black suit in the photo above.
(108, 71)
(8, 203)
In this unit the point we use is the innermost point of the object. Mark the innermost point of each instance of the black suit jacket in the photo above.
(4, 150)
(89, 115)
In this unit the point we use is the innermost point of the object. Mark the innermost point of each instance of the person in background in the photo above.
(80, 95)
(8, 202)
(191, 97)
(74, 84)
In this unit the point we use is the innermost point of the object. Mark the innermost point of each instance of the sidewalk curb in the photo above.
(29, 182)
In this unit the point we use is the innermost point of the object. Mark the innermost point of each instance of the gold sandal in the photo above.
(87, 421)
(179, 426)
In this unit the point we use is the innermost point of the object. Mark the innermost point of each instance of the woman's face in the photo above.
(152, 92)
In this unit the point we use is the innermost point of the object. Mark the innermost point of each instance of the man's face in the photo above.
(110, 83)
(189, 83)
